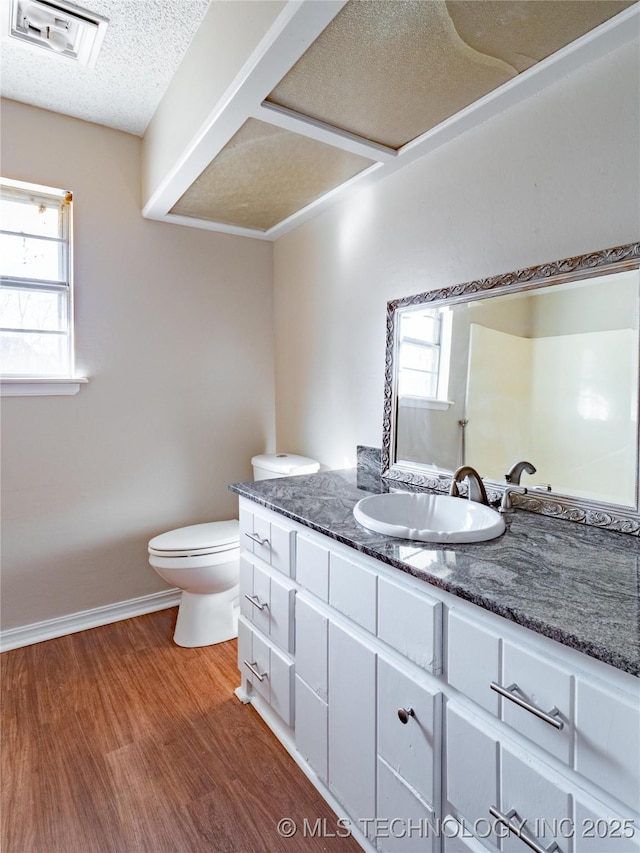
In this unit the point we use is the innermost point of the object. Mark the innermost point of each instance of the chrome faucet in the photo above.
(476, 490)
(516, 471)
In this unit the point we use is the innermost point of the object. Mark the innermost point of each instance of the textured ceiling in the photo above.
(390, 71)
(143, 46)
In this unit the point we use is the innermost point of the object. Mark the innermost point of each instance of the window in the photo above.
(424, 356)
(36, 304)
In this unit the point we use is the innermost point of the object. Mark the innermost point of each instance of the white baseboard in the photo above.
(15, 638)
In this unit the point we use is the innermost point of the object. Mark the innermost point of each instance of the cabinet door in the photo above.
(282, 688)
(404, 823)
(409, 729)
(246, 586)
(260, 600)
(352, 723)
(311, 728)
(259, 661)
(283, 548)
(352, 591)
(471, 785)
(608, 740)
(312, 646)
(312, 567)
(281, 613)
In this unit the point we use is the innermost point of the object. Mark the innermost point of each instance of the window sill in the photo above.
(424, 403)
(41, 387)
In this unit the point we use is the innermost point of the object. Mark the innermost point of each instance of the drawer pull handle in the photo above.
(404, 714)
(509, 693)
(252, 667)
(520, 832)
(256, 601)
(255, 538)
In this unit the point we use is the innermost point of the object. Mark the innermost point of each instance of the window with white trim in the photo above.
(36, 298)
(424, 354)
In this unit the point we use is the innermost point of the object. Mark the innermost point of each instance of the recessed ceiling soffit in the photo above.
(385, 82)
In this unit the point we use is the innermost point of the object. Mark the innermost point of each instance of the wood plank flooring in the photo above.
(115, 740)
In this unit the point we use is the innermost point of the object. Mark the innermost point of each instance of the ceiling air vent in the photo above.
(59, 27)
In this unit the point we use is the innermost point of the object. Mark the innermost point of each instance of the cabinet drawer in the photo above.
(492, 783)
(267, 539)
(352, 591)
(311, 727)
(405, 824)
(410, 741)
(543, 685)
(312, 567)
(311, 646)
(268, 670)
(523, 683)
(598, 828)
(542, 802)
(411, 623)
(456, 838)
(608, 740)
(267, 601)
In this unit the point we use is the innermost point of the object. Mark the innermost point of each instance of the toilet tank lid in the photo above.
(197, 536)
(285, 463)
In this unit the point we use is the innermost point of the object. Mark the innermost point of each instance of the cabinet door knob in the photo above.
(404, 714)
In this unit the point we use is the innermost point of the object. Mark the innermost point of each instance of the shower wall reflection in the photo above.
(549, 375)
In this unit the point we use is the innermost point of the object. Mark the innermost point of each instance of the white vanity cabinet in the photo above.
(433, 725)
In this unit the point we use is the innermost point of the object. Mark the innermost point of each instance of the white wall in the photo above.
(555, 176)
(174, 330)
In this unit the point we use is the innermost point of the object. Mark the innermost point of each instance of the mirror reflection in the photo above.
(548, 375)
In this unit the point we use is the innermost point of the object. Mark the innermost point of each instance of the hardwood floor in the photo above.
(115, 740)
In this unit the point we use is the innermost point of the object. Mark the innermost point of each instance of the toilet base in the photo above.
(206, 619)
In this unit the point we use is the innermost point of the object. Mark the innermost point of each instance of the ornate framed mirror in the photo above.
(540, 365)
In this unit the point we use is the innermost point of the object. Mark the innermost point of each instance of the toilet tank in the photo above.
(268, 466)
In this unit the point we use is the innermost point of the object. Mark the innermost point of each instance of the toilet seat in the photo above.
(197, 540)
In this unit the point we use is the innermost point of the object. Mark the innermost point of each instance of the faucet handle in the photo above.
(506, 504)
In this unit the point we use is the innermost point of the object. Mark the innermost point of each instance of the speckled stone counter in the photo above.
(578, 585)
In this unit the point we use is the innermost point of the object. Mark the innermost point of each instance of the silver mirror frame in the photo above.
(605, 515)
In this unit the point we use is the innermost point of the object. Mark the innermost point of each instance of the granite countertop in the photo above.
(578, 585)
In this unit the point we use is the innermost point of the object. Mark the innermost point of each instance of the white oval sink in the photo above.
(429, 518)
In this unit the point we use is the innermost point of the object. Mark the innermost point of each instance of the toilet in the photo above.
(269, 466)
(203, 560)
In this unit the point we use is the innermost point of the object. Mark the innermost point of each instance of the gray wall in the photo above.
(555, 176)
(174, 330)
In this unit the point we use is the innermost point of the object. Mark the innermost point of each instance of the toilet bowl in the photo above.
(203, 560)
